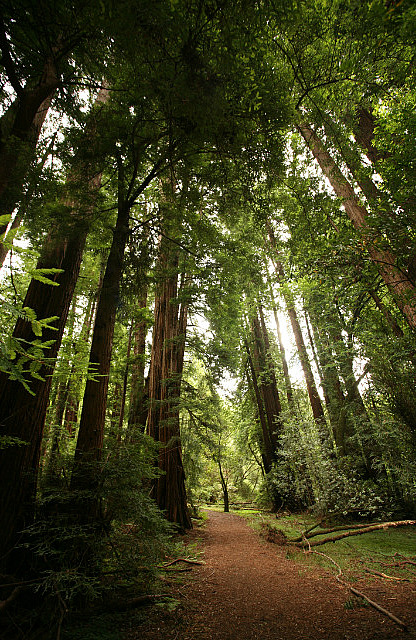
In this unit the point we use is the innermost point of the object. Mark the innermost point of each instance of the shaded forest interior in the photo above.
(208, 273)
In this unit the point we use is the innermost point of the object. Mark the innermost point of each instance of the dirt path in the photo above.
(248, 590)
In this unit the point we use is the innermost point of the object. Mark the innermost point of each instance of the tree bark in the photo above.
(267, 385)
(165, 374)
(288, 383)
(266, 449)
(22, 414)
(91, 429)
(17, 145)
(224, 489)
(138, 396)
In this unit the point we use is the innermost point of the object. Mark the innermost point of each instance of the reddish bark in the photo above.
(165, 373)
(91, 428)
(22, 415)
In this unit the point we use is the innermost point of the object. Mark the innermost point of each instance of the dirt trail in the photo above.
(248, 590)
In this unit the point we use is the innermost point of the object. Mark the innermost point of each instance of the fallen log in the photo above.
(322, 532)
(376, 527)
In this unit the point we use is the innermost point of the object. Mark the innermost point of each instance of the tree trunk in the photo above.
(397, 281)
(138, 396)
(288, 383)
(266, 449)
(314, 399)
(165, 373)
(335, 399)
(364, 135)
(91, 429)
(16, 148)
(267, 384)
(224, 489)
(22, 415)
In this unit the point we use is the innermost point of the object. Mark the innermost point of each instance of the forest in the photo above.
(207, 281)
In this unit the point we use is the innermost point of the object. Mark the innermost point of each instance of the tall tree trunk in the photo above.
(165, 373)
(377, 200)
(22, 414)
(138, 396)
(288, 383)
(314, 399)
(6, 239)
(19, 139)
(224, 488)
(334, 395)
(397, 281)
(91, 429)
(268, 455)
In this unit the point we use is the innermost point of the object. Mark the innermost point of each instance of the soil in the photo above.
(247, 589)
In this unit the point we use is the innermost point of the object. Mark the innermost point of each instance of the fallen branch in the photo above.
(375, 605)
(376, 527)
(382, 610)
(347, 527)
(384, 575)
(168, 564)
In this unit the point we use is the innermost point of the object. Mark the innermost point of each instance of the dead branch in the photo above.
(382, 610)
(168, 564)
(368, 529)
(346, 527)
(384, 575)
(376, 606)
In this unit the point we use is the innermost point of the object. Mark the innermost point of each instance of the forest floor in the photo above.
(248, 589)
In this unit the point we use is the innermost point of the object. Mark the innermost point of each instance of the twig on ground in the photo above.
(384, 575)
